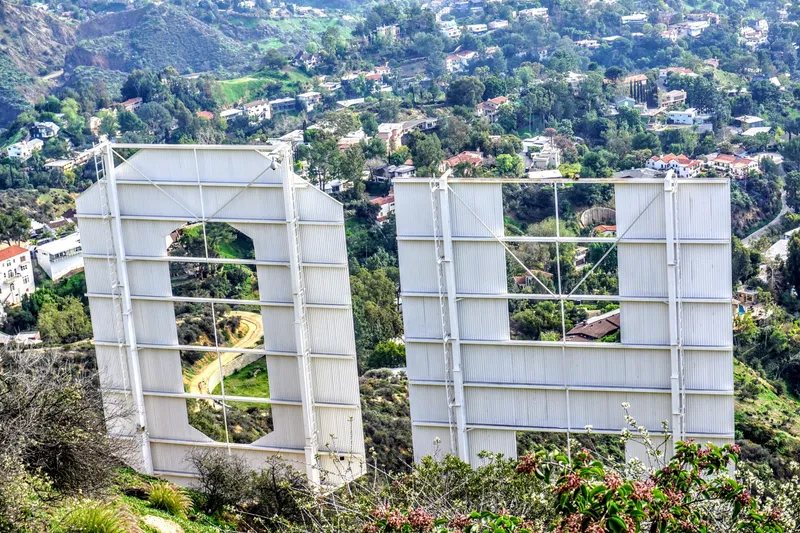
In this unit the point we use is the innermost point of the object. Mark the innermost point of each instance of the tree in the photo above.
(793, 261)
(428, 155)
(129, 122)
(14, 226)
(273, 59)
(389, 354)
(388, 109)
(65, 322)
(369, 124)
(792, 188)
(108, 123)
(466, 91)
(156, 116)
(509, 165)
(375, 315)
(595, 165)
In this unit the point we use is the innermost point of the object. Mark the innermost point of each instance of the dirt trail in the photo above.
(255, 330)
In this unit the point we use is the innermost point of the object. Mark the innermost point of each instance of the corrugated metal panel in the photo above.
(705, 271)
(274, 283)
(426, 361)
(644, 323)
(428, 403)
(271, 241)
(339, 431)
(706, 324)
(494, 441)
(112, 366)
(172, 457)
(155, 322)
(422, 317)
(618, 368)
(288, 423)
(709, 414)
(323, 244)
(519, 364)
(704, 210)
(430, 441)
(97, 275)
(167, 418)
(237, 166)
(244, 203)
(152, 201)
(642, 269)
(341, 469)
(161, 370)
(632, 200)
(418, 262)
(284, 381)
(331, 331)
(313, 204)
(516, 407)
(147, 278)
(483, 319)
(278, 329)
(94, 236)
(326, 285)
(709, 370)
(88, 203)
(603, 410)
(485, 200)
(101, 309)
(413, 209)
(480, 267)
(118, 411)
(147, 237)
(335, 381)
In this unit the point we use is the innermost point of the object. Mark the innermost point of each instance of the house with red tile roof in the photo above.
(737, 167)
(473, 158)
(683, 166)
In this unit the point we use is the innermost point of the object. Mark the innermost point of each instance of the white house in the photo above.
(24, 149)
(258, 109)
(16, 276)
(309, 100)
(542, 152)
(682, 165)
(738, 167)
(636, 18)
(687, 116)
(60, 257)
(387, 207)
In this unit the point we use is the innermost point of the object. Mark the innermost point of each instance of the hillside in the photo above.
(154, 37)
(32, 44)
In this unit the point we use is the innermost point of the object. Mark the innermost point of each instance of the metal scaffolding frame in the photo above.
(278, 159)
(458, 424)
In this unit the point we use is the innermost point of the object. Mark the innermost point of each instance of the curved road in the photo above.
(759, 232)
(255, 330)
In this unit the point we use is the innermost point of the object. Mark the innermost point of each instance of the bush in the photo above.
(99, 518)
(21, 496)
(222, 479)
(170, 499)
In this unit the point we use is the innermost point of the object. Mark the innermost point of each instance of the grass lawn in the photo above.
(251, 380)
(249, 87)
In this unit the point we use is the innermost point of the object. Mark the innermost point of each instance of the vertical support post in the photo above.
(127, 313)
(670, 188)
(563, 322)
(300, 332)
(452, 310)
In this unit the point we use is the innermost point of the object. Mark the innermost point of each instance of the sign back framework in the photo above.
(472, 387)
(297, 232)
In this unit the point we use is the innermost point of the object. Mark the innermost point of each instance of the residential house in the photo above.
(581, 258)
(420, 124)
(477, 29)
(306, 60)
(17, 277)
(490, 108)
(533, 278)
(664, 73)
(60, 257)
(473, 158)
(63, 165)
(752, 132)
(351, 139)
(389, 32)
(589, 44)
(595, 328)
(748, 121)
(132, 104)
(386, 205)
(687, 116)
(309, 99)
(711, 18)
(24, 149)
(605, 230)
(672, 99)
(682, 165)
(534, 13)
(283, 105)
(208, 115)
(230, 113)
(258, 109)
(389, 172)
(574, 80)
(737, 167)
(636, 18)
(459, 60)
(636, 86)
(541, 153)
(44, 130)
(391, 133)
(497, 24)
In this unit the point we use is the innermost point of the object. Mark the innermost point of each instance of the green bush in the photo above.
(98, 518)
(170, 499)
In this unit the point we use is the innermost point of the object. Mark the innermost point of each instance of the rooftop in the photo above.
(12, 251)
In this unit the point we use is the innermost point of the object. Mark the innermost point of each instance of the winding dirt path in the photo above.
(255, 330)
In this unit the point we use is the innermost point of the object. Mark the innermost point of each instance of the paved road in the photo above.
(255, 330)
(53, 75)
(759, 232)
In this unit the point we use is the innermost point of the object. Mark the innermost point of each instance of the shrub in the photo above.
(99, 518)
(21, 496)
(223, 480)
(170, 499)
